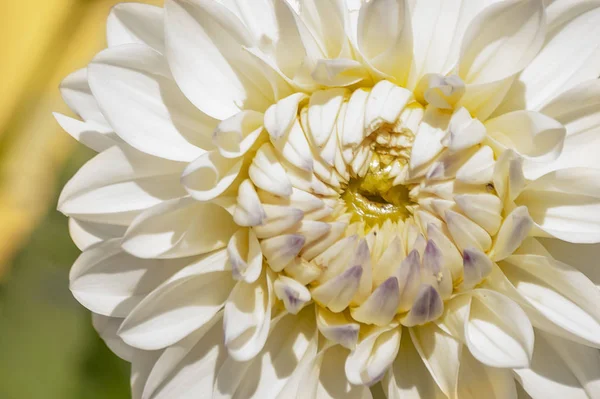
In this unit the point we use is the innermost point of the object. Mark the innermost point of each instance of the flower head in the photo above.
(307, 198)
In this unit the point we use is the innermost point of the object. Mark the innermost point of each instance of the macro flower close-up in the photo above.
(343, 198)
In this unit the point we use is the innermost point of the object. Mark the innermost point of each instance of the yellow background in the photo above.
(48, 348)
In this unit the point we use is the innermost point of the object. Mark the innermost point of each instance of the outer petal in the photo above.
(563, 295)
(177, 228)
(409, 378)
(210, 175)
(476, 380)
(438, 30)
(578, 109)
(440, 353)
(566, 204)
(498, 332)
(140, 99)
(583, 257)
(561, 369)
(533, 135)
(111, 282)
(188, 368)
(76, 92)
(205, 48)
(247, 317)
(182, 304)
(291, 345)
(86, 234)
(501, 41)
(118, 184)
(107, 329)
(136, 23)
(385, 37)
(564, 61)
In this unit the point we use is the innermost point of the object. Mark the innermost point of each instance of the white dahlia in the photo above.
(310, 198)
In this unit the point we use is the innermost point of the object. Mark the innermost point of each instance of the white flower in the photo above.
(305, 199)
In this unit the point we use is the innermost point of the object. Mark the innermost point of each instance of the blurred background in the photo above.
(48, 348)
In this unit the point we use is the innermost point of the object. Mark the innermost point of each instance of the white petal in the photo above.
(245, 256)
(86, 234)
(188, 368)
(96, 136)
(118, 184)
(550, 376)
(562, 294)
(566, 204)
(380, 307)
(338, 328)
(77, 94)
(385, 37)
(438, 30)
(479, 168)
(178, 228)
(294, 148)
(279, 251)
(328, 381)
(514, 230)
(107, 329)
(578, 110)
(292, 343)
(141, 366)
(562, 63)
(249, 211)
(337, 293)
(247, 318)
(210, 175)
(109, 281)
(385, 103)
(466, 233)
(293, 294)
(324, 107)
(498, 332)
(441, 354)
(477, 266)
(464, 131)
(144, 105)
(136, 23)
(484, 209)
(267, 173)
(580, 256)
(373, 355)
(182, 304)
(427, 306)
(428, 140)
(354, 119)
(531, 134)
(501, 41)
(204, 47)
(476, 380)
(236, 135)
(408, 378)
(280, 116)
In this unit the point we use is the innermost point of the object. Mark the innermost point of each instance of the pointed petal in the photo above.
(178, 228)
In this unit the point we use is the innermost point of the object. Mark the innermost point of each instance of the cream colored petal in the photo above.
(293, 294)
(466, 233)
(566, 204)
(245, 255)
(514, 230)
(385, 38)
(476, 380)
(498, 332)
(247, 317)
(235, 136)
(267, 173)
(441, 354)
(249, 210)
(279, 117)
(281, 250)
(373, 355)
(210, 175)
(338, 328)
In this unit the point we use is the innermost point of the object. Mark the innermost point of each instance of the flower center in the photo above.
(374, 198)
